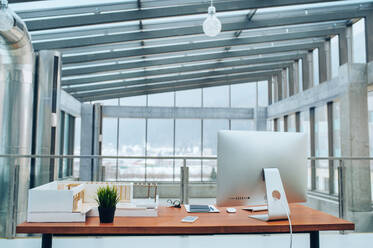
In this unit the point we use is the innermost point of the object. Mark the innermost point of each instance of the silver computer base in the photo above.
(278, 206)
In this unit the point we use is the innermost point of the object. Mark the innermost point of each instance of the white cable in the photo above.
(290, 227)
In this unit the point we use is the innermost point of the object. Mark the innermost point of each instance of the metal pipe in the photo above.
(16, 100)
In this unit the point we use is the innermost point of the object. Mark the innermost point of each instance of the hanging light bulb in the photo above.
(212, 25)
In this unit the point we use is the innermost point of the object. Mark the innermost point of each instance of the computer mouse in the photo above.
(231, 210)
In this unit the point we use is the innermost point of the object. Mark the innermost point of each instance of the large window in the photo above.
(131, 142)
(321, 148)
(188, 143)
(305, 128)
(160, 142)
(243, 95)
(216, 96)
(336, 141)
(66, 144)
(334, 55)
(358, 43)
(315, 55)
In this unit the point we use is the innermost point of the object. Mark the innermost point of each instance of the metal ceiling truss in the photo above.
(185, 59)
(301, 17)
(188, 68)
(176, 86)
(96, 17)
(176, 78)
(201, 45)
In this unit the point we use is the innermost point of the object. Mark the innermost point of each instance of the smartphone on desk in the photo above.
(189, 219)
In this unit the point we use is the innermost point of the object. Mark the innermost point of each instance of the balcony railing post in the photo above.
(184, 183)
(341, 189)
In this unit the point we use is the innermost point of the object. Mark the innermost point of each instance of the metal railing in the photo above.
(184, 182)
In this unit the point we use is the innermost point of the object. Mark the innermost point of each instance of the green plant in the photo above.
(107, 197)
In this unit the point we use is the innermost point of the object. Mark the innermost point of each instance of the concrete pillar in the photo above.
(345, 46)
(279, 86)
(355, 142)
(291, 80)
(284, 83)
(295, 71)
(90, 142)
(369, 36)
(269, 90)
(261, 119)
(324, 62)
(310, 69)
(328, 57)
(275, 88)
(305, 74)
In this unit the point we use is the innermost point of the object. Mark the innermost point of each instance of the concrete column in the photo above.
(369, 36)
(295, 71)
(269, 90)
(345, 46)
(310, 69)
(261, 118)
(284, 83)
(305, 74)
(90, 142)
(291, 80)
(328, 58)
(355, 142)
(275, 87)
(279, 86)
(324, 62)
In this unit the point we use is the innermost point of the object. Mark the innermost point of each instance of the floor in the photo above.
(327, 239)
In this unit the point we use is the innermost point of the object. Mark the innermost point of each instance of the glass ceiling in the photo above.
(103, 43)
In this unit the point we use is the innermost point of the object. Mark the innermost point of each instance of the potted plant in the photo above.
(107, 199)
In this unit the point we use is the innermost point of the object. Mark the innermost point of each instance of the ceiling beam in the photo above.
(201, 45)
(176, 78)
(144, 14)
(183, 69)
(300, 17)
(185, 59)
(197, 83)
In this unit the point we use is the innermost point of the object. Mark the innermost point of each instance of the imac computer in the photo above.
(262, 168)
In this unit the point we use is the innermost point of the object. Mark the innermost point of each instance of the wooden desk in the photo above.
(304, 220)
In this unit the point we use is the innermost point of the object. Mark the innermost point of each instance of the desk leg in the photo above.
(314, 239)
(46, 240)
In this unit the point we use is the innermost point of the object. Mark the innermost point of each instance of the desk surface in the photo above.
(304, 219)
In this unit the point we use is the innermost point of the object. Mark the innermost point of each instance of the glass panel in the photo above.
(270, 125)
(245, 125)
(263, 93)
(334, 54)
(210, 133)
(188, 143)
(243, 95)
(160, 143)
(188, 98)
(280, 126)
(77, 146)
(358, 42)
(315, 54)
(162, 99)
(370, 112)
(61, 143)
(216, 96)
(305, 128)
(109, 146)
(133, 101)
(132, 143)
(336, 141)
(66, 135)
(321, 148)
(291, 123)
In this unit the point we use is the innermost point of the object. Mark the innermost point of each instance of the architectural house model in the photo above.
(72, 201)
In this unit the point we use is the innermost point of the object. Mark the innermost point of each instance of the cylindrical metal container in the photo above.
(16, 101)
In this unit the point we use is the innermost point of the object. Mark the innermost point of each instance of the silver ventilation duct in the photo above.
(16, 101)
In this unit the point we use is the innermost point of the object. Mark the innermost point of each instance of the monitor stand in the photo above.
(278, 206)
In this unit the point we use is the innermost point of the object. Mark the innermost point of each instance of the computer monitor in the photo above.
(242, 156)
